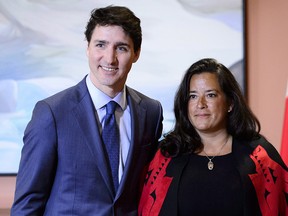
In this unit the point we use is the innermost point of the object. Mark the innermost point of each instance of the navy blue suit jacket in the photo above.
(63, 168)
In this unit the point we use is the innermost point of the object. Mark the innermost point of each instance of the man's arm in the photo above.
(38, 162)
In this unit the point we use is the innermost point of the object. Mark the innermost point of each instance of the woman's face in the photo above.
(207, 105)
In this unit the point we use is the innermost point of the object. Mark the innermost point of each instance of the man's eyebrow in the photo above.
(106, 42)
(99, 41)
(122, 44)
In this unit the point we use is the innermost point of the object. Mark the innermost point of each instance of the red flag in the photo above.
(284, 144)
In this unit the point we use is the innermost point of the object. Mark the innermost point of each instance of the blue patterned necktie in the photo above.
(110, 136)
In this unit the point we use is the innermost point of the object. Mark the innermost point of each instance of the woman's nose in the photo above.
(201, 103)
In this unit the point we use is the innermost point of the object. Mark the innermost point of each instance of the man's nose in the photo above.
(111, 56)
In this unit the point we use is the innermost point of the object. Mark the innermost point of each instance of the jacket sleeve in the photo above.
(37, 164)
(270, 182)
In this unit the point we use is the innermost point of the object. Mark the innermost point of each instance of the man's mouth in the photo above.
(109, 68)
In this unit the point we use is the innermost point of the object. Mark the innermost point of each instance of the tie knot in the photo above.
(110, 107)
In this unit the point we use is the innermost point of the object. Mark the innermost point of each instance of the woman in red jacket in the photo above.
(214, 161)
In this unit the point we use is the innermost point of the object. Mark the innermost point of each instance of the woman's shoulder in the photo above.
(172, 165)
(159, 160)
(258, 147)
(260, 140)
(262, 144)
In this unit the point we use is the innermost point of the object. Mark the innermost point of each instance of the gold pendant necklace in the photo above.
(210, 164)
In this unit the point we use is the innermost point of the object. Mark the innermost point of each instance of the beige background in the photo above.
(267, 75)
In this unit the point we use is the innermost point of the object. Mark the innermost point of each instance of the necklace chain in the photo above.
(210, 164)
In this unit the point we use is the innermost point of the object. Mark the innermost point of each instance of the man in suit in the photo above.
(65, 168)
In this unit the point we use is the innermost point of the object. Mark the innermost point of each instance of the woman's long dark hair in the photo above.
(241, 123)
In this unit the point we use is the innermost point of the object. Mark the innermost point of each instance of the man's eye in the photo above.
(100, 45)
(122, 48)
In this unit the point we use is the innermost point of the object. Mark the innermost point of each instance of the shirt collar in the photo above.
(100, 99)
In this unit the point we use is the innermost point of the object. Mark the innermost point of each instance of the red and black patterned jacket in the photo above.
(262, 171)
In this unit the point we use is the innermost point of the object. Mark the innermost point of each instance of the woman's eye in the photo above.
(192, 96)
(211, 95)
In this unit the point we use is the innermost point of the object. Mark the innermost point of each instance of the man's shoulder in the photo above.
(137, 95)
(69, 94)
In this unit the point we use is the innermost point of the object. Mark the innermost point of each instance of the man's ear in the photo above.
(137, 55)
(87, 50)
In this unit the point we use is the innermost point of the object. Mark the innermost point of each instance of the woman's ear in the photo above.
(230, 108)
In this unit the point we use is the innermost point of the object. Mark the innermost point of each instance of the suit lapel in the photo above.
(174, 170)
(245, 166)
(85, 114)
(138, 116)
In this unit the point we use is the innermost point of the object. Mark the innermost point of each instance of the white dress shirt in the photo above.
(122, 115)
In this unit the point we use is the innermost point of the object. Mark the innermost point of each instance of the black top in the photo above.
(210, 192)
